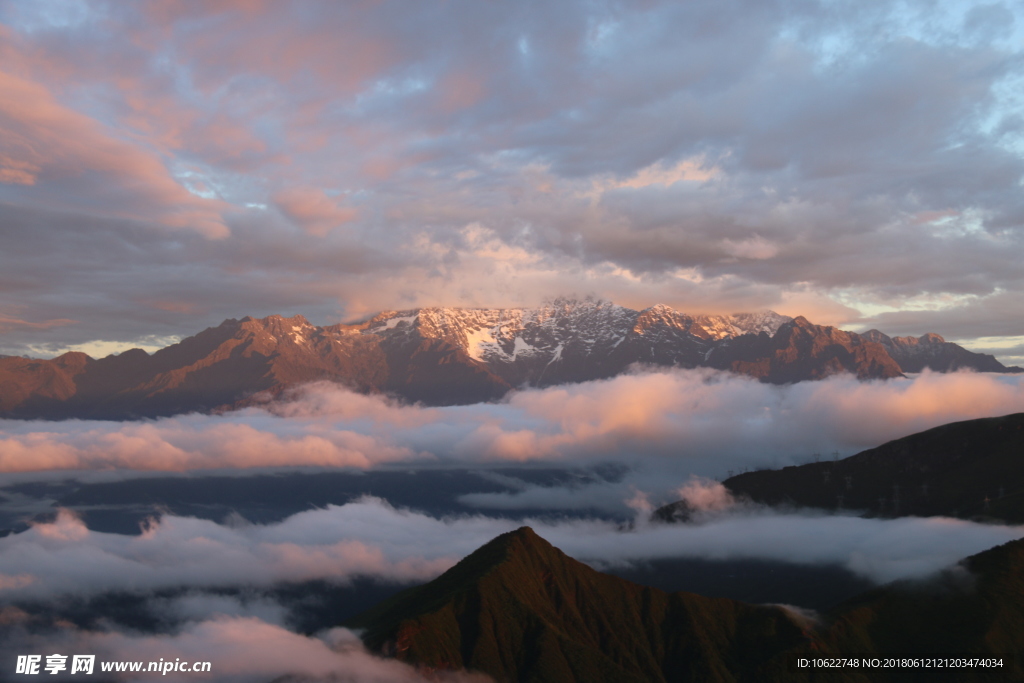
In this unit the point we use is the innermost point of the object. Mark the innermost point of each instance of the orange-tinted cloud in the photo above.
(68, 159)
(170, 445)
(9, 323)
(312, 210)
(689, 421)
(461, 90)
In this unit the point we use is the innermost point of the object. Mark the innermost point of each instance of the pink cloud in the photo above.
(693, 422)
(244, 649)
(461, 90)
(312, 210)
(174, 127)
(9, 323)
(170, 445)
(67, 158)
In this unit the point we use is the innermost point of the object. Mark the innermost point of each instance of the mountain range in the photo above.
(518, 609)
(443, 356)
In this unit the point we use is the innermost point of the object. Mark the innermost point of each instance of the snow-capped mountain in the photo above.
(448, 355)
(568, 339)
(589, 326)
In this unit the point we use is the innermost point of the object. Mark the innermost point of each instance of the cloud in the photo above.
(312, 210)
(675, 422)
(693, 170)
(697, 417)
(239, 650)
(65, 557)
(705, 495)
(963, 320)
(713, 157)
(189, 444)
(579, 498)
(61, 157)
(369, 538)
(7, 323)
(753, 248)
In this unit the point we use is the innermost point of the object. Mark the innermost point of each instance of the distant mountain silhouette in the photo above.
(442, 356)
(968, 469)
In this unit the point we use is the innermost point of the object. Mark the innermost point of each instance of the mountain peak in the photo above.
(297, 319)
(523, 534)
(877, 336)
(518, 608)
(444, 356)
(521, 540)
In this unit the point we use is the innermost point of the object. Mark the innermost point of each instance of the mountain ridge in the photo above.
(520, 609)
(968, 469)
(438, 356)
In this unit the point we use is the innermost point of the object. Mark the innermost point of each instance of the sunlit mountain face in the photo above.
(493, 341)
(457, 356)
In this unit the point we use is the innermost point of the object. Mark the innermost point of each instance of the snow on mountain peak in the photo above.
(582, 326)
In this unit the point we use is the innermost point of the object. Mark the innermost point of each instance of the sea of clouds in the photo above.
(671, 432)
(698, 421)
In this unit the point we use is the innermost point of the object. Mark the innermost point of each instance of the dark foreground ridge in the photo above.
(519, 609)
(969, 469)
(445, 356)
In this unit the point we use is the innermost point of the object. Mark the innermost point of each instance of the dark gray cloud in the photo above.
(996, 315)
(169, 165)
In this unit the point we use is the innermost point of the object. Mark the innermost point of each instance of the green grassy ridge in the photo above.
(972, 469)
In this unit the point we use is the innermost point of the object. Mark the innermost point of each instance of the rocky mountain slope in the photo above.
(437, 356)
(914, 354)
(800, 350)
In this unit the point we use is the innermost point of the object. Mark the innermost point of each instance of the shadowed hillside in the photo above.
(968, 469)
(519, 609)
(975, 608)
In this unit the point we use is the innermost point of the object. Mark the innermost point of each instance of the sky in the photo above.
(166, 165)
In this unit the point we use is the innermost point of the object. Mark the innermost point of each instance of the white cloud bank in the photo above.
(239, 650)
(691, 421)
(371, 538)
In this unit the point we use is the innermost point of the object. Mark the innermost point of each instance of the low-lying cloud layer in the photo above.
(239, 650)
(682, 422)
(369, 538)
